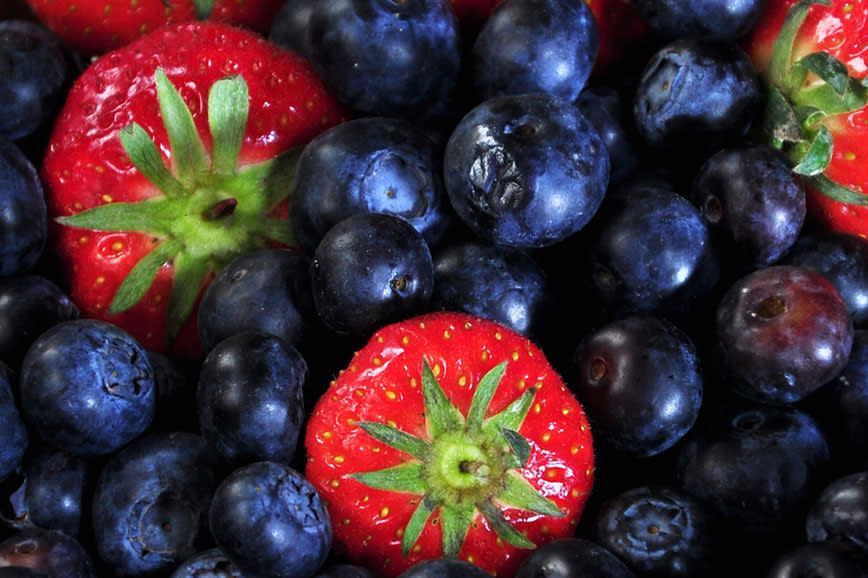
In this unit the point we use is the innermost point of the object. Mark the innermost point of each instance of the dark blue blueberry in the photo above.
(840, 512)
(21, 572)
(56, 489)
(150, 504)
(658, 531)
(782, 332)
(265, 290)
(398, 58)
(87, 387)
(696, 95)
(525, 170)
(535, 46)
(821, 560)
(368, 165)
(369, 270)
(605, 109)
(14, 436)
(753, 201)
(33, 66)
(651, 251)
(758, 468)
(211, 563)
(24, 219)
(29, 305)
(573, 557)
(444, 568)
(344, 571)
(50, 551)
(640, 381)
(843, 260)
(289, 27)
(722, 19)
(249, 399)
(271, 521)
(499, 283)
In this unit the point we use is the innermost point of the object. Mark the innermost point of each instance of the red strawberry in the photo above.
(96, 26)
(449, 435)
(171, 156)
(813, 56)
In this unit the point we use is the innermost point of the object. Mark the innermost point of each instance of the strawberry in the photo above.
(811, 53)
(171, 156)
(449, 436)
(97, 26)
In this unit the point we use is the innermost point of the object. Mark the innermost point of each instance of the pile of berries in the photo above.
(433, 288)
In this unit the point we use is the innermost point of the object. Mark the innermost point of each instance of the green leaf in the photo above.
(455, 520)
(406, 477)
(830, 69)
(482, 396)
(513, 415)
(141, 277)
(190, 273)
(519, 446)
(779, 66)
(519, 493)
(204, 8)
(780, 124)
(838, 192)
(417, 522)
(144, 154)
(823, 97)
(189, 158)
(149, 216)
(815, 160)
(396, 438)
(442, 415)
(228, 109)
(280, 178)
(502, 527)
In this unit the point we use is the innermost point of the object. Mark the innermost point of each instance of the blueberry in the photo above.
(369, 270)
(782, 332)
(14, 436)
(87, 387)
(210, 563)
(398, 58)
(657, 531)
(56, 490)
(640, 381)
(21, 572)
(822, 560)
(150, 504)
(444, 568)
(50, 551)
(840, 512)
(289, 27)
(249, 399)
(525, 170)
(35, 75)
(535, 46)
(605, 109)
(571, 557)
(24, 219)
(271, 521)
(753, 201)
(264, 290)
(369, 164)
(722, 19)
(344, 571)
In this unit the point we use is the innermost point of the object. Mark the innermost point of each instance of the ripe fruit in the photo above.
(169, 158)
(449, 436)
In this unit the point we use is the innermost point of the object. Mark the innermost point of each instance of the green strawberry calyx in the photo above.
(802, 93)
(210, 209)
(467, 465)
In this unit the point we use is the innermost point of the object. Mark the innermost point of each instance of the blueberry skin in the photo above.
(840, 512)
(150, 504)
(344, 571)
(657, 531)
(444, 568)
(572, 557)
(369, 270)
(535, 46)
(14, 436)
(211, 563)
(721, 19)
(276, 281)
(821, 560)
(271, 521)
(87, 387)
(694, 96)
(29, 305)
(56, 489)
(843, 260)
(605, 109)
(526, 170)
(752, 201)
(50, 551)
(35, 75)
(289, 27)
(369, 165)
(249, 399)
(386, 57)
(21, 572)
(24, 220)
(640, 381)
(758, 467)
